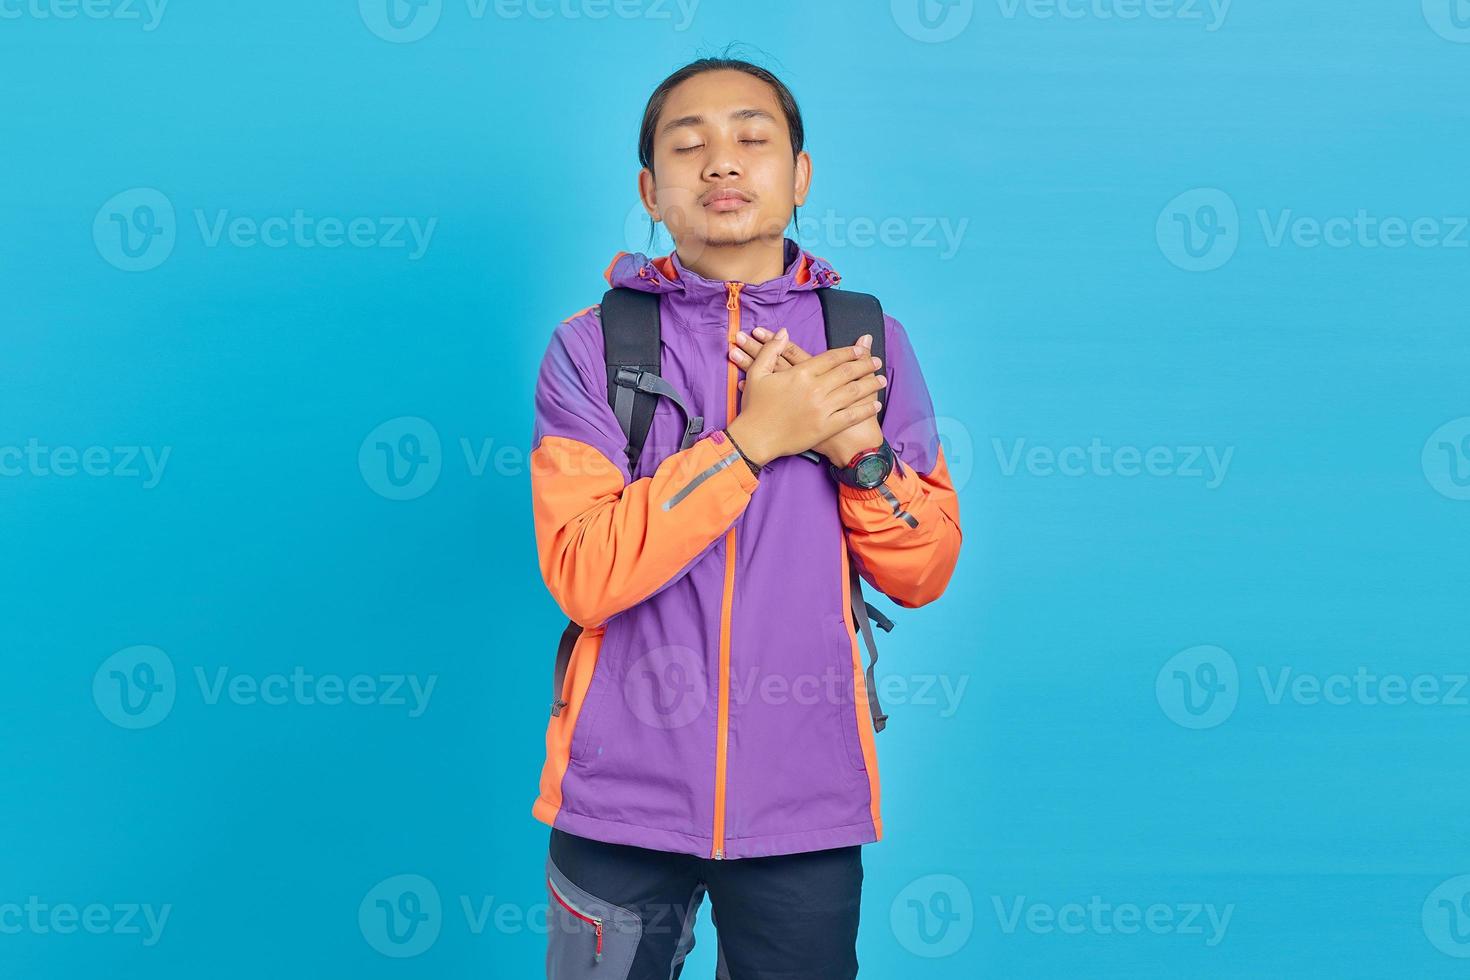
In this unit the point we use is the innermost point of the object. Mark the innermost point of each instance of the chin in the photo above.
(736, 237)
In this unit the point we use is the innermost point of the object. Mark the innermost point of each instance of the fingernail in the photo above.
(740, 336)
(866, 340)
(781, 334)
(877, 361)
(761, 333)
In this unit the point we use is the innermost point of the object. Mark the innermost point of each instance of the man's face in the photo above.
(723, 172)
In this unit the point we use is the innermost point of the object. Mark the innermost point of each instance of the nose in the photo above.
(724, 160)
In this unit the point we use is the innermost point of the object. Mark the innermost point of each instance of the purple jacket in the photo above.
(715, 699)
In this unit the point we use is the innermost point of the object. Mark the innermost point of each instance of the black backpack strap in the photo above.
(850, 315)
(630, 344)
(563, 659)
(847, 316)
(630, 348)
(862, 611)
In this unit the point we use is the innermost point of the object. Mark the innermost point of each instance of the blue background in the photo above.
(1068, 769)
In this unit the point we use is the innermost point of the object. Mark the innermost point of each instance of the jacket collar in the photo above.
(666, 274)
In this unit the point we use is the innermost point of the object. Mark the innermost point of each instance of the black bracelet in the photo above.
(754, 467)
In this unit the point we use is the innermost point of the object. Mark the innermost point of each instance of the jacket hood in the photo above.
(666, 274)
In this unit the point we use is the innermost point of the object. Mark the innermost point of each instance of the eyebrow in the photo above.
(738, 114)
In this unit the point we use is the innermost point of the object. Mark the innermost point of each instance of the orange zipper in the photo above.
(722, 737)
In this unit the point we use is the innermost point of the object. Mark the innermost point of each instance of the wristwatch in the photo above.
(866, 469)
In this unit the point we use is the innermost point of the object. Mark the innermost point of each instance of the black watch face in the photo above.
(871, 470)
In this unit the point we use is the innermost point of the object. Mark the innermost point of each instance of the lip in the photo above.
(726, 200)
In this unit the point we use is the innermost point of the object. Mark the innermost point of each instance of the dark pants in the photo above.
(788, 917)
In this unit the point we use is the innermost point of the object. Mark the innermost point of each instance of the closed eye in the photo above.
(687, 149)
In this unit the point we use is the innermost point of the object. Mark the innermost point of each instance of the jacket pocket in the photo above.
(846, 708)
(588, 938)
(583, 740)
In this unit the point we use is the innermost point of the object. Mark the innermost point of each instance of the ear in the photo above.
(648, 193)
(803, 177)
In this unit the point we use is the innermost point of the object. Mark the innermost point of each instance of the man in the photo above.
(713, 731)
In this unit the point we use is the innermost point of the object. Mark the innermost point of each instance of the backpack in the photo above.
(630, 333)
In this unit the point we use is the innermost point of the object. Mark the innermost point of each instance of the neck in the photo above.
(752, 262)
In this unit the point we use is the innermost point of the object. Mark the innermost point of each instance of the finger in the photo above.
(854, 414)
(765, 361)
(750, 347)
(741, 358)
(793, 354)
(819, 364)
(848, 371)
(856, 391)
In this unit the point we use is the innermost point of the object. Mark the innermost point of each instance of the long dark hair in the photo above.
(660, 97)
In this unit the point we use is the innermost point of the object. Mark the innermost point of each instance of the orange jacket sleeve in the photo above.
(605, 542)
(905, 536)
